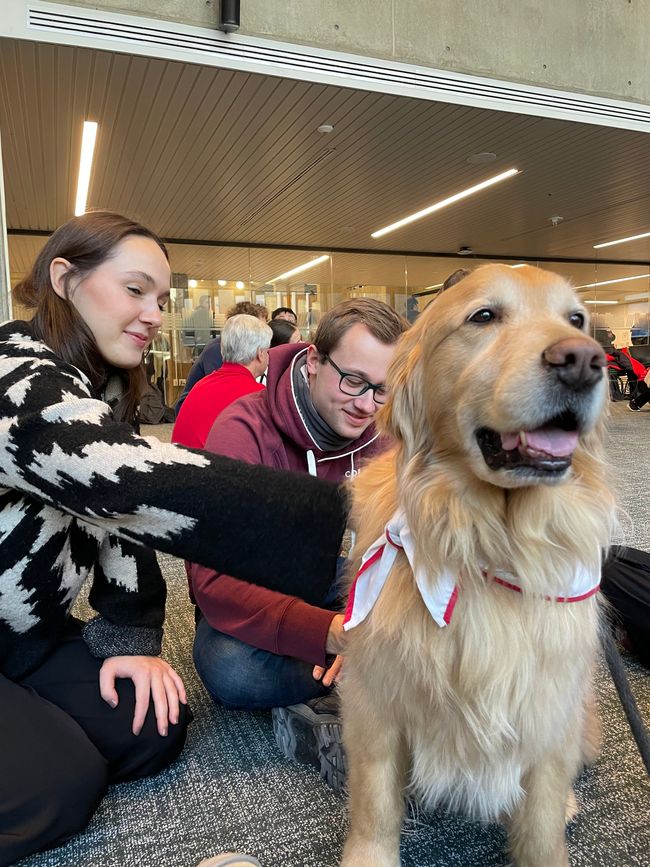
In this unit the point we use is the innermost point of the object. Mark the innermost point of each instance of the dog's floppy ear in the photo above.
(404, 416)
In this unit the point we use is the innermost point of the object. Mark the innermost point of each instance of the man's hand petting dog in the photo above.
(336, 637)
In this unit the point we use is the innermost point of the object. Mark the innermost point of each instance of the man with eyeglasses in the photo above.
(256, 648)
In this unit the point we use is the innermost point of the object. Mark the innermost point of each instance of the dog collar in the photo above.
(440, 599)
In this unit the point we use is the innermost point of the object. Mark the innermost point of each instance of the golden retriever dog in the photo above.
(473, 623)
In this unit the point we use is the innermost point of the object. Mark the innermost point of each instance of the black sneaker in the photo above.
(310, 733)
(633, 407)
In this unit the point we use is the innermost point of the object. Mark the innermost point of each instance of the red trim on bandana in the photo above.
(582, 596)
(369, 562)
(439, 599)
(449, 610)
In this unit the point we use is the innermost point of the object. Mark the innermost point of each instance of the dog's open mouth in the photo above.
(545, 450)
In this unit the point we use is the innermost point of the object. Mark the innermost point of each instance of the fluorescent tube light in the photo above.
(586, 301)
(435, 286)
(639, 296)
(300, 268)
(521, 265)
(609, 282)
(621, 241)
(85, 164)
(443, 204)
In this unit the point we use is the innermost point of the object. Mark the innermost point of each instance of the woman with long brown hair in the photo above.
(86, 704)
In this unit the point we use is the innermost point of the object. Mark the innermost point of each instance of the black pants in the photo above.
(641, 394)
(61, 745)
(626, 585)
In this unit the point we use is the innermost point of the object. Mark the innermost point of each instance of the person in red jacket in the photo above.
(256, 648)
(245, 342)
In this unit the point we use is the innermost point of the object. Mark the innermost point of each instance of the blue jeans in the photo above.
(238, 675)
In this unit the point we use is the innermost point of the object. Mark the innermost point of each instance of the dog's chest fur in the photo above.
(480, 700)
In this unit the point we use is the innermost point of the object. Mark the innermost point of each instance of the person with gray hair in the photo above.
(211, 359)
(245, 342)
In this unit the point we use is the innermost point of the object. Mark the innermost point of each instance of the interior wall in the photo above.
(589, 46)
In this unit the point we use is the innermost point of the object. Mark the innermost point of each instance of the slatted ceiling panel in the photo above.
(210, 263)
(23, 250)
(240, 144)
(208, 153)
(296, 205)
(267, 264)
(280, 161)
(206, 167)
(363, 162)
(191, 157)
(350, 270)
(19, 187)
(184, 160)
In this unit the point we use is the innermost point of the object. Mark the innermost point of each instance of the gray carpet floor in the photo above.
(232, 790)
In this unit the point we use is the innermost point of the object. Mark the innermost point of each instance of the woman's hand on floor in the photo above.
(154, 679)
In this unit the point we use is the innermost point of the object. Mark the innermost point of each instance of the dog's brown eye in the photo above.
(482, 316)
(577, 320)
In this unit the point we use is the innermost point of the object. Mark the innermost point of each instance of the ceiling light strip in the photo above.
(88, 139)
(300, 269)
(621, 241)
(437, 206)
(609, 282)
(294, 61)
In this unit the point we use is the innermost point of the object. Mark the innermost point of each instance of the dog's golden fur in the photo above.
(492, 714)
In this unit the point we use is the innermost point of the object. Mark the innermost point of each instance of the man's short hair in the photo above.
(380, 319)
(242, 337)
(279, 310)
(250, 309)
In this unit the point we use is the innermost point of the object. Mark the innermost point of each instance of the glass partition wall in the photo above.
(208, 280)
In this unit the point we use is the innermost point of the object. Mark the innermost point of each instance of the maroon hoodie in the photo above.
(267, 428)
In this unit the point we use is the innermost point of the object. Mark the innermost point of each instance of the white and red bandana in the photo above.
(440, 599)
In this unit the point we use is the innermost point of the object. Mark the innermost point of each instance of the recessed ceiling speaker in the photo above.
(228, 15)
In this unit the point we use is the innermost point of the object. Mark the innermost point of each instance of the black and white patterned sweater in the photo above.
(82, 493)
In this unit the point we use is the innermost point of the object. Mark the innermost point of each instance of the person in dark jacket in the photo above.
(81, 495)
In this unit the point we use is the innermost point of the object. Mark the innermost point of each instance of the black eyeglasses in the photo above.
(355, 386)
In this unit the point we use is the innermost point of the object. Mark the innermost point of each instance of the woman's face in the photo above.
(121, 300)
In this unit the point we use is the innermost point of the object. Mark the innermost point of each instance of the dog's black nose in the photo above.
(577, 361)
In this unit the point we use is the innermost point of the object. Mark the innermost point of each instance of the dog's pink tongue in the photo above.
(551, 441)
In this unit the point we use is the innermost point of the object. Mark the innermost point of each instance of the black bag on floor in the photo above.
(626, 586)
(152, 408)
